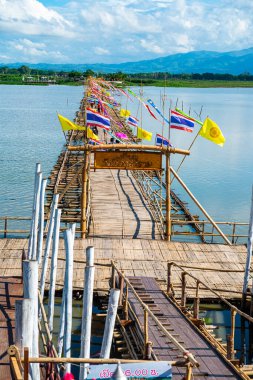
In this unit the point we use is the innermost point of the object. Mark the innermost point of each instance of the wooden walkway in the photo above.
(11, 289)
(118, 209)
(212, 365)
(143, 257)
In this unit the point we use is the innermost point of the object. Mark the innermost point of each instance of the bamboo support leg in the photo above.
(169, 278)
(183, 294)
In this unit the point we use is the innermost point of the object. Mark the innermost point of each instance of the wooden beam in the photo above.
(93, 148)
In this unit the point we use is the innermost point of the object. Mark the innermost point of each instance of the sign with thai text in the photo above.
(128, 160)
(154, 369)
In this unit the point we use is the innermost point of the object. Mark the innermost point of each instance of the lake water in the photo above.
(221, 178)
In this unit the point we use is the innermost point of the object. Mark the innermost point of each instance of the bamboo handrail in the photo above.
(232, 307)
(185, 352)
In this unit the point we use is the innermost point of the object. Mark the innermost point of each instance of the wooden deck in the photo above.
(212, 365)
(11, 289)
(142, 257)
(118, 208)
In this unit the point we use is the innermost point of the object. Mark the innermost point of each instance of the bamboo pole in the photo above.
(69, 243)
(183, 295)
(31, 236)
(109, 323)
(169, 278)
(24, 318)
(33, 255)
(87, 310)
(41, 220)
(168, 202)
(128, 147)
(53, 269)
(60, 340)
(30, 286)
(200, 207)
(249, 253)
(48, 245)
(84, 196)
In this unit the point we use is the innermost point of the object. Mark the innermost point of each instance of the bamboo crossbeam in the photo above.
(93, 148)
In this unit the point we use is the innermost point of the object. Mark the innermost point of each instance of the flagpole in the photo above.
(195, 138)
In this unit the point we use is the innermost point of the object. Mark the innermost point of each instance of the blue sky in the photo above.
(111, 31)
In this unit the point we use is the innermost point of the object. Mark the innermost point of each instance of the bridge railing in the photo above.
(123, 281)
(196, 300)
(190, 226)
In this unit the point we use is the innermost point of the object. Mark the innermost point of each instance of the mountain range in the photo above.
(232, 62)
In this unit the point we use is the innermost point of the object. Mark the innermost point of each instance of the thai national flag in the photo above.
(160, 140)
(94, 118)
(133, 121)
(179, 121)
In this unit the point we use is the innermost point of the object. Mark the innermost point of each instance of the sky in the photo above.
(114, 31)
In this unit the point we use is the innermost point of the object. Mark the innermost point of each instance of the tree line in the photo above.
(120, 76)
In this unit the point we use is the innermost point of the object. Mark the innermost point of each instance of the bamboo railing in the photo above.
(182, 303)
(147, 312)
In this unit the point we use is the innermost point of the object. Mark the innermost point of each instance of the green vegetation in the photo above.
(25, 75)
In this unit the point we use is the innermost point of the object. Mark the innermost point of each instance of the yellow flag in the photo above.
(68, 125)
(144, 135)
(92, 135)
(124, 113)
(212, 132)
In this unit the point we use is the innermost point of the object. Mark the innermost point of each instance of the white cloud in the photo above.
(125, 30)
(30, 17)
(151, 46)
(34, 51)
(101, 51)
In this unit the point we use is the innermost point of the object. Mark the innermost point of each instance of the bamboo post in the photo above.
(199, 205)
(145, 333)
(62, 323)
(53, 269)
(41, 220)
(109, 323)
(24, 318)
(30, 285)
(183, 294)
(69, 245)
(84, 196)
(196, 302)
(33, 254)
(48, 245)
(113, 277)
(126, 304)
(121, 288)
(168, 202)
(31, 236)
(188, 372)
(5, 227)
(169, 277)
(249, 253)
(231, 337)
(87, 310)
(26, 364)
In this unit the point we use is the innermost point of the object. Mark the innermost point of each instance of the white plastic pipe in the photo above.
(109, 323)
(87, 310)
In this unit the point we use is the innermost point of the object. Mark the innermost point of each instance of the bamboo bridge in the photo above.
(119, 196)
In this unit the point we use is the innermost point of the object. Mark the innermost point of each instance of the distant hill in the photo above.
(233, 62)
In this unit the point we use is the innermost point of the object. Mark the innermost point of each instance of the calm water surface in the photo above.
(221, 178)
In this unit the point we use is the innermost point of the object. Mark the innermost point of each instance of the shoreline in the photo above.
(176, 84)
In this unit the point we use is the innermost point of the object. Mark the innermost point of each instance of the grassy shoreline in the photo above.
(138, 82)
